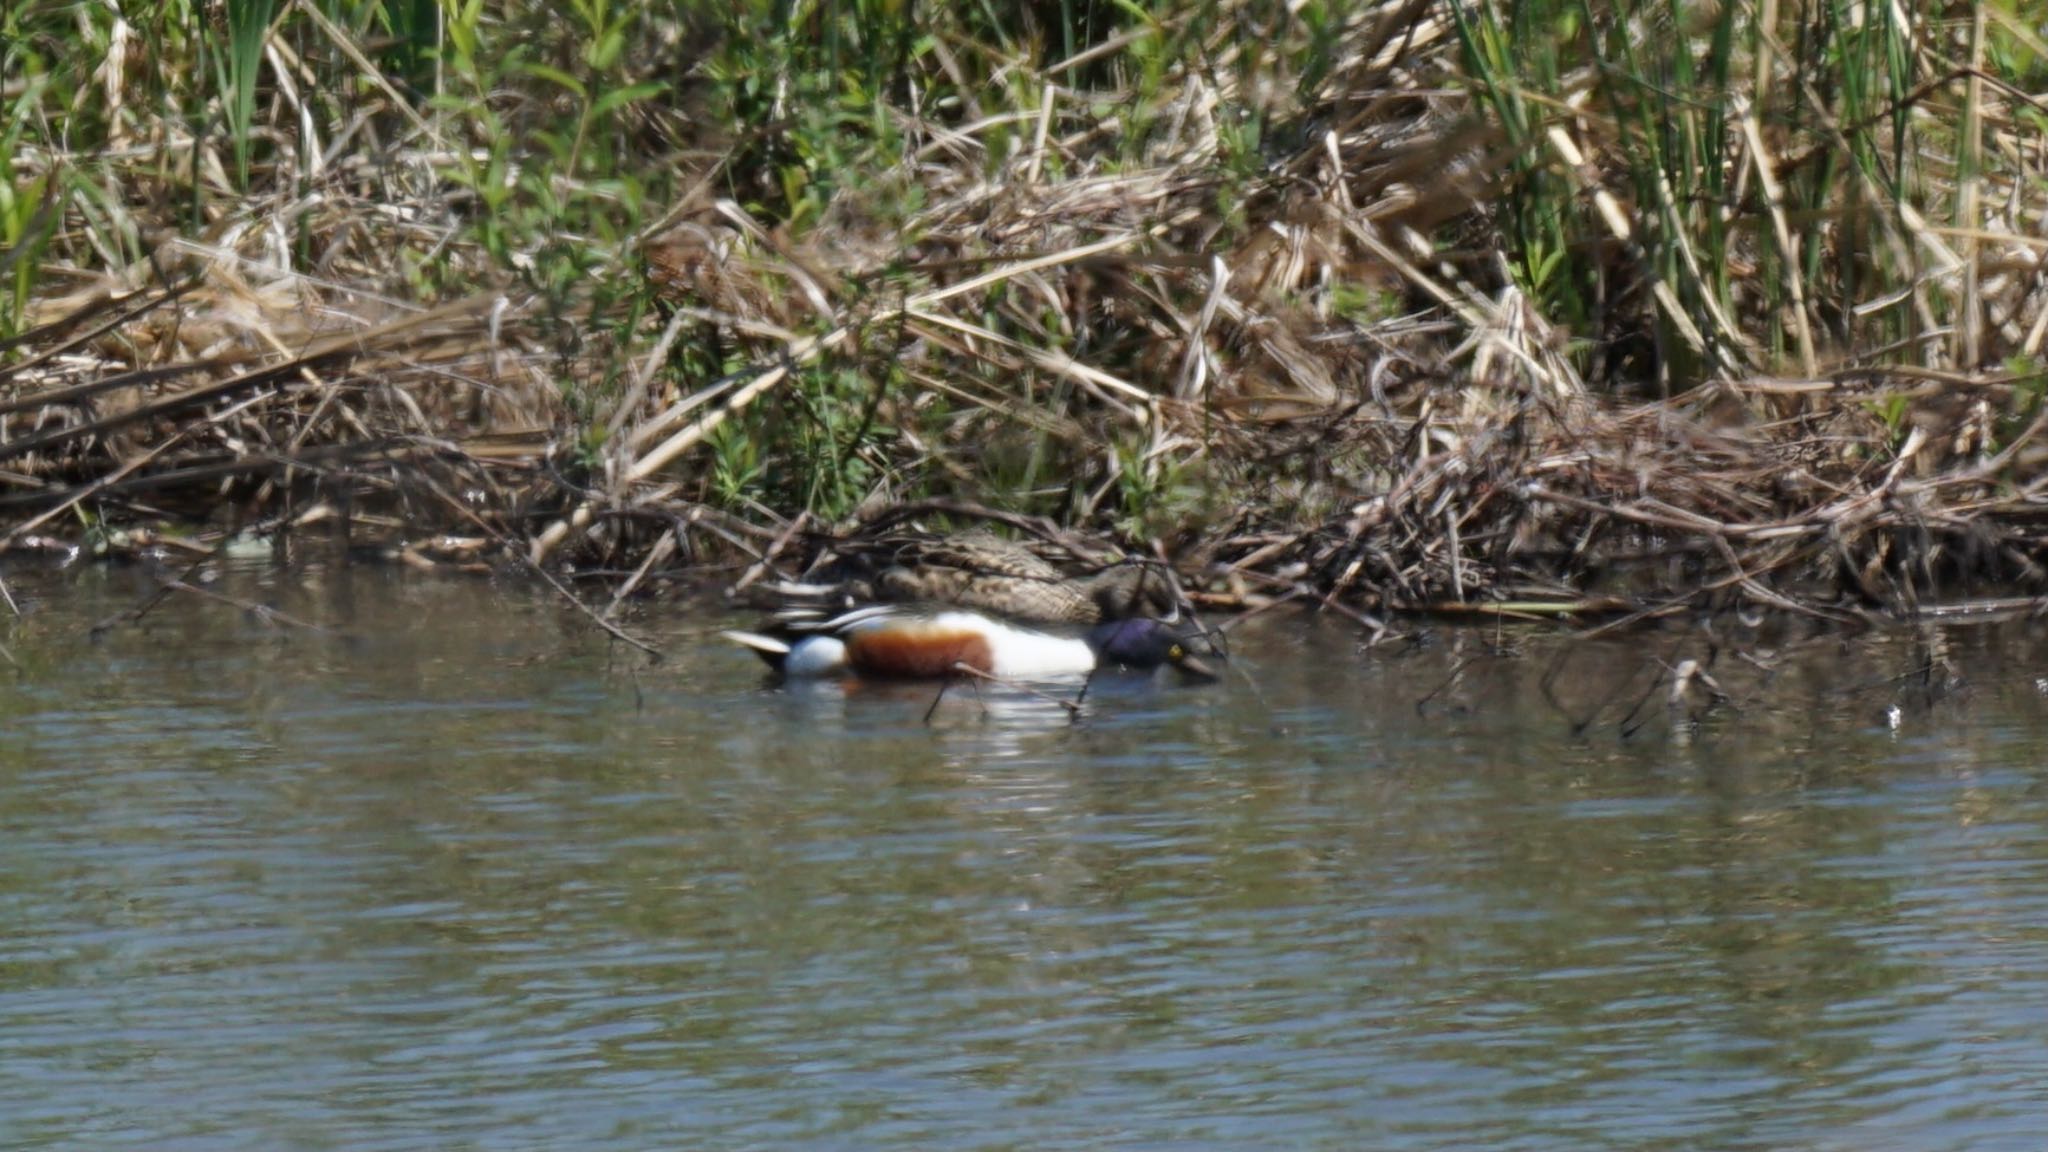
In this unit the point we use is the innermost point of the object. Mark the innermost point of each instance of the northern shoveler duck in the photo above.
(901, 643)
(986, 573)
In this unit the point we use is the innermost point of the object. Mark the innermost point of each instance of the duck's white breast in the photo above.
(1021, 654)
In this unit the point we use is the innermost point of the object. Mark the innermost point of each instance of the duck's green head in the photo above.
(1145, 643)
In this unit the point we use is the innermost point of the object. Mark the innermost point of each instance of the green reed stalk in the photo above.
(248, 27)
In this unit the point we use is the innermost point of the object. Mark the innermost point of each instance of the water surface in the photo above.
(456, 871)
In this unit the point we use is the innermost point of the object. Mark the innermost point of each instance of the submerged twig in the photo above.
(262, 611)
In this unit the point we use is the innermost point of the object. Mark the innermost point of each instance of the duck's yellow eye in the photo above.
(1176, 653)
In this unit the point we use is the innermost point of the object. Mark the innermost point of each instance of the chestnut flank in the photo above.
(923, 653)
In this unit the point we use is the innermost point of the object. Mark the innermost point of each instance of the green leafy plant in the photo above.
(27, 211)
(236, 71)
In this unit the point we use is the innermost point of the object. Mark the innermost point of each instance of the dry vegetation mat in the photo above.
(1533, 309)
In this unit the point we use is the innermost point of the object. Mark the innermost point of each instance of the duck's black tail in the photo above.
(768, 648)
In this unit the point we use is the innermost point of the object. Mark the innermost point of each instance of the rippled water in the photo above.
(458, 872)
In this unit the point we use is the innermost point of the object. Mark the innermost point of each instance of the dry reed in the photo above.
(1321, 381)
